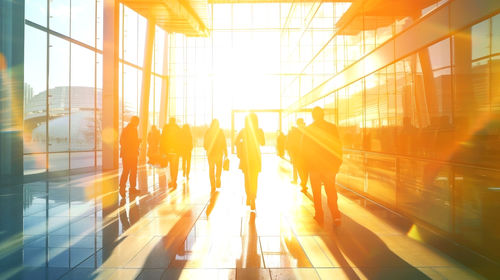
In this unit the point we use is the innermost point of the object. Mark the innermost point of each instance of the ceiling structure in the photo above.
(189, 17)
(372, 14)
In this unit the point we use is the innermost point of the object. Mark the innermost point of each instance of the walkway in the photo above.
(77, 227)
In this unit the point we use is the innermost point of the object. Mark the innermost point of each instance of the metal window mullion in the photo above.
(123, 67)
(69, 99)
(47, 94)
(47, 140)
(95, 89)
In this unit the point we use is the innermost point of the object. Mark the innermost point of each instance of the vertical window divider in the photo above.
(47, 94)
(69, 93)
(95, 88)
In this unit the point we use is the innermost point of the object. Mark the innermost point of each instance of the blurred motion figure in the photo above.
(129, 152)
(214, 143)
(295, 152)
(322, 151)
(186, 149)
(280, 144)
(170, 146)
(154, 145)
(248, 143)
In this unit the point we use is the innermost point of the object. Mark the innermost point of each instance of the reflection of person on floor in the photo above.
(280, 144)
(293, 146)
(250, 257)
(322, 152)
(186, 149)
(248, 143)
(154, 145)
(170, 147)
(129, 142)
(214, 143)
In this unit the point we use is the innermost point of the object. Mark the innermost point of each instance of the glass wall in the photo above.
(237, 67)
(61, 96)
(421, 134)
(63, 81)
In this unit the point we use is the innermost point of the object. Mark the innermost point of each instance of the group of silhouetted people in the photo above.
(165, 148)
(315, 152)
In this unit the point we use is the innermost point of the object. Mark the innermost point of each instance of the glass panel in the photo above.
(141, 39)
(99, 35)
(242, 16)
(381, 178)
(35, 91)
(82, 98)
(424, 192)
(83, 21)
(58, 161)
(221, 16)
(495, 34)
(36, 11)
(35, 163)
(495, 84)
(130, 39)
(355, 121)
(352, 171)
(82, 159)
(58, 95)
(59, 16)
(472, 111)
(477, 207)
(99, 159)
(480, 36)
(159, 51)
(131, 87)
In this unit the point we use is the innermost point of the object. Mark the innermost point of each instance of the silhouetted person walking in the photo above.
(214, 143)
(280, 144)
(248, 142)
(170, 146)
(322, 150)
(186, 149)
(296, 157)
(129, 142)
(154, 145)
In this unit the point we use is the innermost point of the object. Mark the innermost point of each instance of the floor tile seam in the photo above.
(138, 251)
(131, 258)
(51, 232)
(76, 266)
(322, 251)
(189, 230)
(300, 244)
(262, 252)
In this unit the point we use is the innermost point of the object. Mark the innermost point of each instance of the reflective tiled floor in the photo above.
(77, 227)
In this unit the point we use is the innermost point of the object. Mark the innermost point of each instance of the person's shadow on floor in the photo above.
(368, 253)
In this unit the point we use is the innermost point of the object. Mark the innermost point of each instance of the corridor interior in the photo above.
(78, 227)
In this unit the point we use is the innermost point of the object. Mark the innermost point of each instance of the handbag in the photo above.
(225, 164)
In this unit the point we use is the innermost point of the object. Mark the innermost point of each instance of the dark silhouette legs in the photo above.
(129, 173)
(251, 178)
(215, 170)
(173, 160)
(186, 164)
(331, 193)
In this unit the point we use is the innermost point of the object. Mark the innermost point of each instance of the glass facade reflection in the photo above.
(413, 126)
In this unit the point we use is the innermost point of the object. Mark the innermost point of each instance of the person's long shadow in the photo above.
(368, 253)
(211, 204)
(168, 252)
